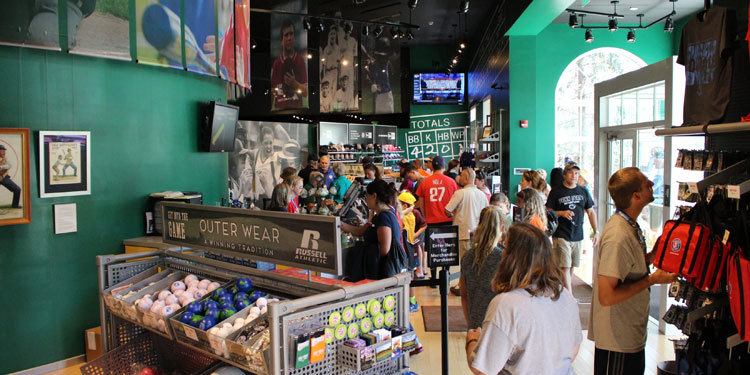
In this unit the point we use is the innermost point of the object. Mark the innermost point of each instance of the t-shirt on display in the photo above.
(705, 51)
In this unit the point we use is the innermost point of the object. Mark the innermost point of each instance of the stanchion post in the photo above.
(444, 285)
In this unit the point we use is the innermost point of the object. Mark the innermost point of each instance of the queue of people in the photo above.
(515, 277)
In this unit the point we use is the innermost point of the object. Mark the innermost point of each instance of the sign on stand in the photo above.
(305, 241)
(442, 246)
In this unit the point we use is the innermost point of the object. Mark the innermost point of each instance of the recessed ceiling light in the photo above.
(633, 8)
(430, 23)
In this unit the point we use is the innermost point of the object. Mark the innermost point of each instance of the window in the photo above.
(574, 104)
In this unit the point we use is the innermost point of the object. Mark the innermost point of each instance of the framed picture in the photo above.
(15, 189)
(64, 163)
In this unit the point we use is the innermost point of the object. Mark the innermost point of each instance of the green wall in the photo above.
(536, 64)
(143, 124)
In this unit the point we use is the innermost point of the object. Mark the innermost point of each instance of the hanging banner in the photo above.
(304, 241)
(33, 23)
(158, 33)
(381, 76)
(241, 42)
(339, 78)
(289, 89)
(200, 36)
(225, 17)
(104, 30)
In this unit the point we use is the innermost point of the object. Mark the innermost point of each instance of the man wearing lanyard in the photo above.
(619, 311)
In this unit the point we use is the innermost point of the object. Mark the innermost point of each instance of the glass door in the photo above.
(621, 154)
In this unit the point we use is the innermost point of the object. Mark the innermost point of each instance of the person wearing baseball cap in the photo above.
(312, 165)
(5, 180)
(570, 201)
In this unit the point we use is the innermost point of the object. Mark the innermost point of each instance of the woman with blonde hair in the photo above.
(532, 179)
(479, 264)
(534, 211)
(532, 325)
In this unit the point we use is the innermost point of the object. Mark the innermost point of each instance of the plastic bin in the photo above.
(151, 350)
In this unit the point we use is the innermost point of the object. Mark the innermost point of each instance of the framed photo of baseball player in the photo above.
(64, 163)
(15, 189)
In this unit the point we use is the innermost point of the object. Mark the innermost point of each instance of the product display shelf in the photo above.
(313, 309)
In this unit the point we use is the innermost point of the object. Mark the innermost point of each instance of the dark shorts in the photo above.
(607, 362)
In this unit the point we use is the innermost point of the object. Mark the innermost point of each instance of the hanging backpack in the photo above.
(738, 288)
(684, 243)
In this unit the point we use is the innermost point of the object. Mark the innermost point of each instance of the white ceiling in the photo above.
(652, 10)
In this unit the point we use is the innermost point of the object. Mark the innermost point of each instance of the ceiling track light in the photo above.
(464, 6)
(589, 36)
(631, 36)
(409, 35)
(365, 30)
(348, 27)
(462, 45)
(253, 44)
(412, 4)
(401, 34)
(306, 24)
(321, 26)
(378, 31)
(455, 60)
(394, 32)
(573, 20)
(669, 25)
(612, 24)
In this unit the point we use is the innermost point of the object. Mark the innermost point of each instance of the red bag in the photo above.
(738, 287)
(712, 267)
(680, 247)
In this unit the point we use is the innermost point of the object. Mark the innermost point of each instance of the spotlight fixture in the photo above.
(394, 32)
(409, 35)
(612, 25)
(309, 56)
(321, 26)
(573, 20)
(464, 7)
(401, 34)
(253, 44)
(413, 4)
(460, 51)
(589, 37)
(455, 60)
(348, 28)
(365, 30)
(462, 45)
(631, 36)
(669, 25)
(378, 31)
(306, 24)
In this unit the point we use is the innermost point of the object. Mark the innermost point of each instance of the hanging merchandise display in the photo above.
(705, 51)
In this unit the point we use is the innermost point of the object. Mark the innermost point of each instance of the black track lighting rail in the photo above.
(340, 19)
(634, 27)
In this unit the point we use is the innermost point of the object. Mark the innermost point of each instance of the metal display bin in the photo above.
(315, 304)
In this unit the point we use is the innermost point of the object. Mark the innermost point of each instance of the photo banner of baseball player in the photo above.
(159, 33)
(200, 36)
(339, 65)
(241, 43)
(103, 30)
(289, 89)
(34, 23)
(381, 76)
(261, 151)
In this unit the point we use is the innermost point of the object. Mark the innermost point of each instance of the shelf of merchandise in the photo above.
(317, 302)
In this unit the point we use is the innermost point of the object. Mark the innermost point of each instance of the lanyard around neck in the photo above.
(638, 233)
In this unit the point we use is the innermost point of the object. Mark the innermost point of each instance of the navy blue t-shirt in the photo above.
(578, 200)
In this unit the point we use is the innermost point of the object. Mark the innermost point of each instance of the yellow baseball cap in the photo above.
(407, 198)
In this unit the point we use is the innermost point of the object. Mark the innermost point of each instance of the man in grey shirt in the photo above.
(619, 313)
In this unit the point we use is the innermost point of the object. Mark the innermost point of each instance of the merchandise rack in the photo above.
(317, 302)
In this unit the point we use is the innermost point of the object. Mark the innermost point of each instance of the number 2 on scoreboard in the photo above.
(436, 194)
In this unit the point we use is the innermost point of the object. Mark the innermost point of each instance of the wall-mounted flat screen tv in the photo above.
(439, 88)
(220, 125)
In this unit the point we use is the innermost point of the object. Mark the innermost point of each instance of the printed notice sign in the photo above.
(442, 246)
(304, 241)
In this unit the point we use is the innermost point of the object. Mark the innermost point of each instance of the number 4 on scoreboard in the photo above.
(416, 152)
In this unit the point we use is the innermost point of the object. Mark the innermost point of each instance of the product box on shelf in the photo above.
(249, 345)
(359, 359)
(115, 293)
(134, 314)
(123, 304)
(194, 332)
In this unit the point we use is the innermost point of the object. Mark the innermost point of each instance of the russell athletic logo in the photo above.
(676, 245)
(308, 250)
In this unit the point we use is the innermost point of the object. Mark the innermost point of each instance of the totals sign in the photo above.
(448, 143)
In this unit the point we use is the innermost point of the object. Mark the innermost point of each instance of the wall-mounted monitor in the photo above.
(219, 125)
(439, 88)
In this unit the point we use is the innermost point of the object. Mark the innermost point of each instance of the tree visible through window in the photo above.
(574, 104)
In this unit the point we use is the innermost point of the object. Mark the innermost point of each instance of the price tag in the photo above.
(726, 237)
(733, 191)
(189, 332)
(693, 187)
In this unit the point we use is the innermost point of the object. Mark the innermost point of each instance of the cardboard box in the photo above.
(93, 338)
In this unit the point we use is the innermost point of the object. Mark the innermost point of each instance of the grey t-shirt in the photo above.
(621, 327)
(479, 284)
(522, 334)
